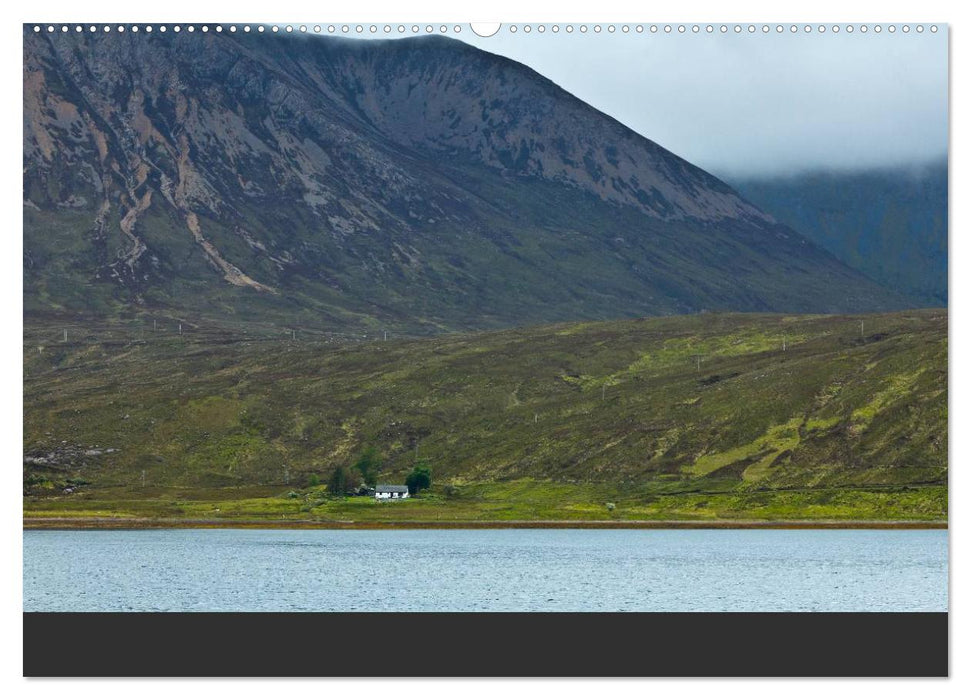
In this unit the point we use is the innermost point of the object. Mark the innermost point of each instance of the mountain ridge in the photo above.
(415, 184)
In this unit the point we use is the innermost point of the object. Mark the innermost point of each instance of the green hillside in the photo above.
(703, 416)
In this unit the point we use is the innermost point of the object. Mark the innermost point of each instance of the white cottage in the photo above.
(384, 492)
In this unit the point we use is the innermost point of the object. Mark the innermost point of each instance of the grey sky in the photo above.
(741, 104)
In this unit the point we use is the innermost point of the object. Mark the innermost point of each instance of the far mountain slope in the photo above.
(889, 223)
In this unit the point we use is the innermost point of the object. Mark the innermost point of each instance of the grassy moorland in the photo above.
(707, 417)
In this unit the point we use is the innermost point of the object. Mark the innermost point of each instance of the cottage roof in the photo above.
(390, 488)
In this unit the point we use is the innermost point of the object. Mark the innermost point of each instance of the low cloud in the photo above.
(751, 105)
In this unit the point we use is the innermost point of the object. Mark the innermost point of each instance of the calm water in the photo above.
(488, 570)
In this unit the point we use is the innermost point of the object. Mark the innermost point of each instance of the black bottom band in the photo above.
(485, 644)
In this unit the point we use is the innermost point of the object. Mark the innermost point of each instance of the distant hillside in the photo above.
(704, 403)
(890, 224)
(416, 184)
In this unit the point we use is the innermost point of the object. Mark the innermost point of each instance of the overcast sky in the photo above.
(741, 104)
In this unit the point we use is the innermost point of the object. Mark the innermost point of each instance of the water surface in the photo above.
(486, 570)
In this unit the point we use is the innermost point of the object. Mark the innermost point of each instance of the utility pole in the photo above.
(65, 335)
(154, 324)
(143, 478)
(861, 330)
(783, 343)
(386, 335)
(180, 329)
(293, 334)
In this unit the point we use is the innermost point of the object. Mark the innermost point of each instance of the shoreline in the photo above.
(189, 524)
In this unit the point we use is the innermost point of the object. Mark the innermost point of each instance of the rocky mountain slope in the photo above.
(889, 223)
(414, 184)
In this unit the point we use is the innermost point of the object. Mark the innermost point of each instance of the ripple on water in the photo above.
(486, 570)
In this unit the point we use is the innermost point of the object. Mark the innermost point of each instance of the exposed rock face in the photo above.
(418, 183)
(474, 105)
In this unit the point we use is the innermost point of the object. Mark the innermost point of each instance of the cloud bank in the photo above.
(743, 105)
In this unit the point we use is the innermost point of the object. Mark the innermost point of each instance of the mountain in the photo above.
(889, 223)
(713, 414)
(414, 184)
